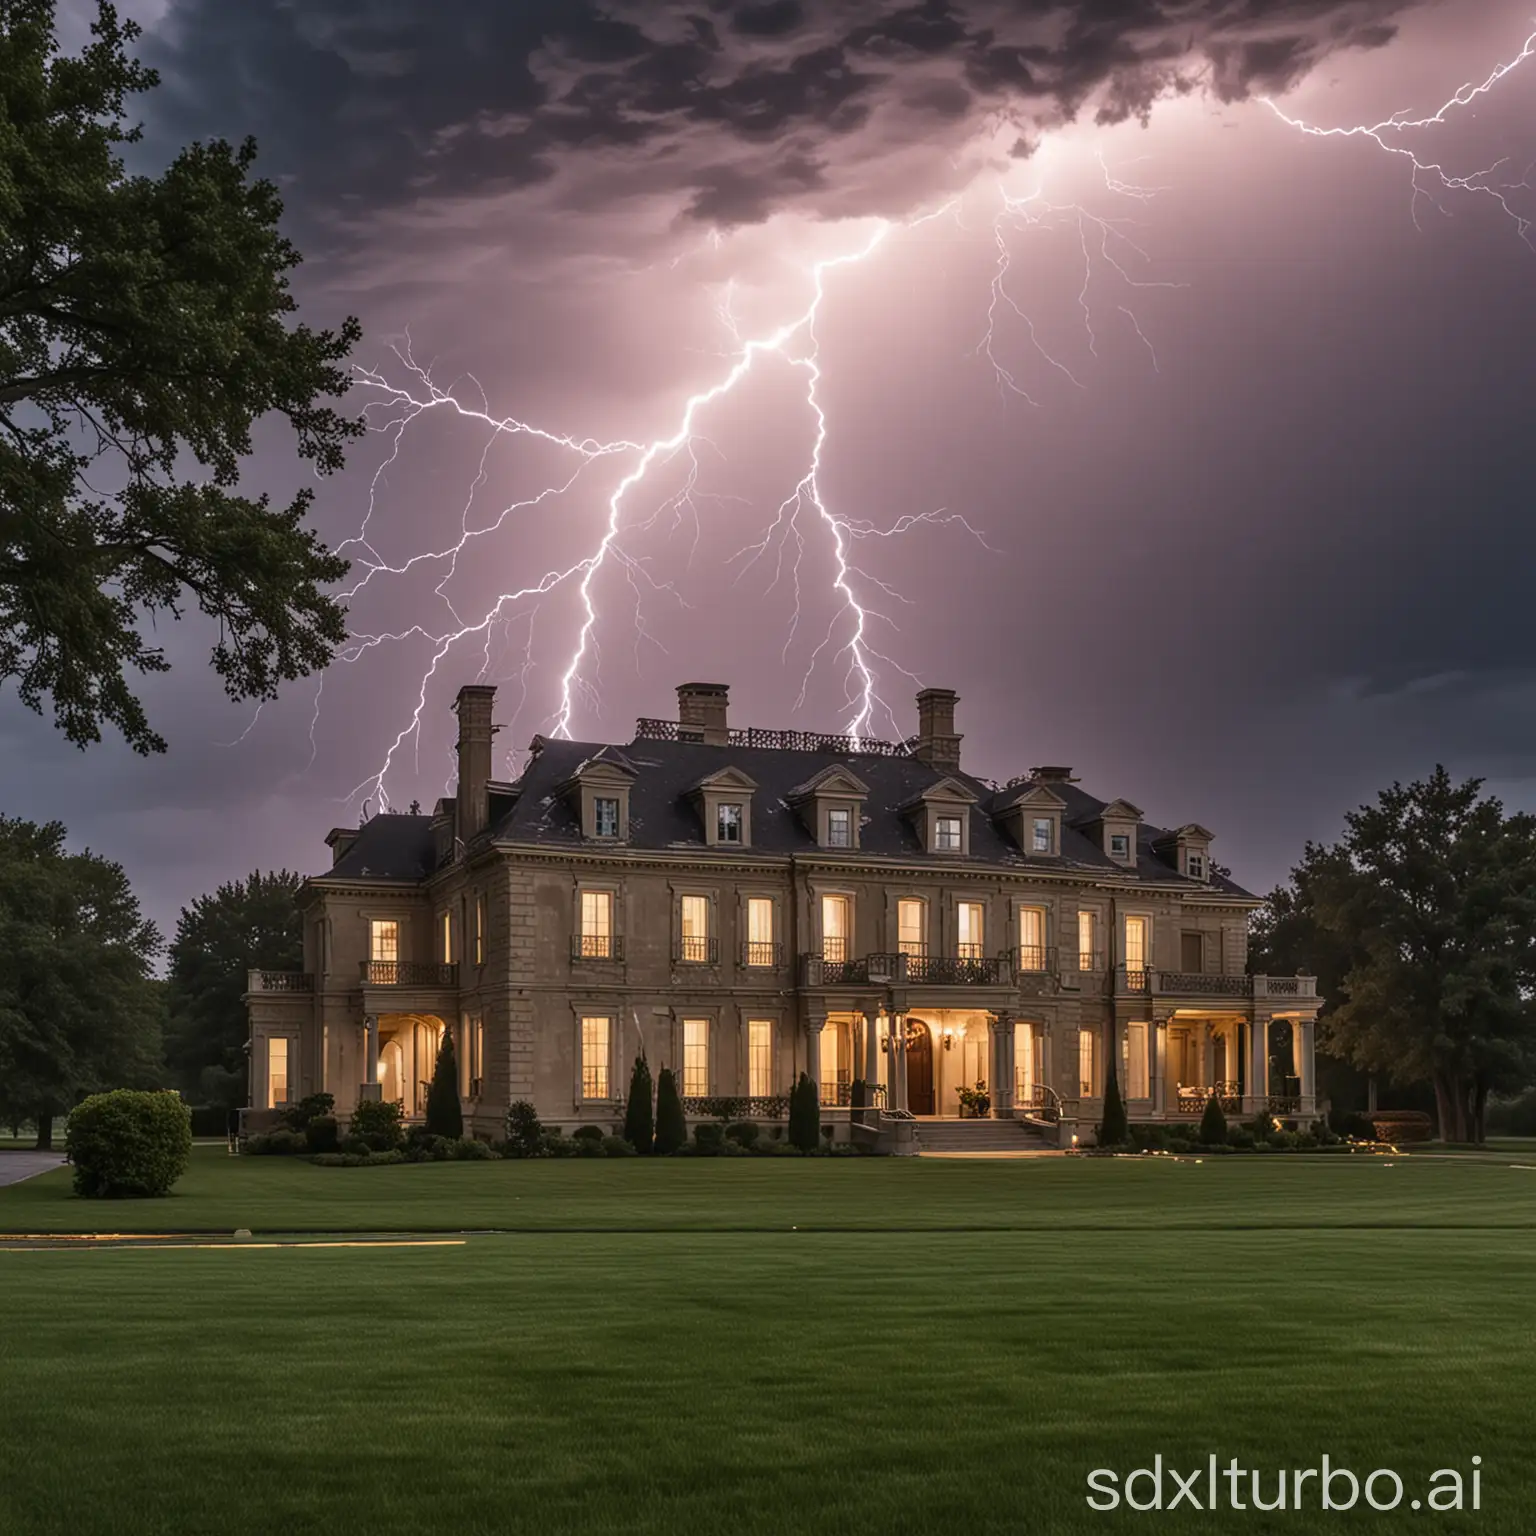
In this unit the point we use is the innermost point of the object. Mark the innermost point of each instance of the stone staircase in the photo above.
(980, 1136)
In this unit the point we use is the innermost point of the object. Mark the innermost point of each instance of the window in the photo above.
(1135, 1062)
(479, 930)
(1192, 953)
(594, 1058)
(596, 938)
(760, 1058)
(1120, 845)
(728, 822)
(1040, 839)
(694, 946)
(277, 1071)
(445, 927)
(1025, 1068)
(605, 816)
(911, 926)
(1197, 866)
(971, 930)
(1086, 934)
(1031, 938)
(946, 834)
(474, 1054)
(761, 950)
(695, 1058)
(1086, 1076)
(384, 940)
(1135, 944)
(835, 923)
(840, 828)
(829, 1071)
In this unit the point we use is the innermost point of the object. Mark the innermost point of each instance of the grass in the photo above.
(940, 1345)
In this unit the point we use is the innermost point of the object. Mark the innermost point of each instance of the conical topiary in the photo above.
(639, 1114)
(445, 1117)
(804, 1115)
(671, 1126)
(1115, 1129)
(1213, 1124)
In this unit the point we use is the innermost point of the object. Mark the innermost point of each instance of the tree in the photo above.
(639, 1115)
(79, 1010)
(804, 1115)
(445, 1116)
(246, 925)
(1213, 1124)
(1427, 905)
(1114, 1130)
(145, 323)
(671, 1126)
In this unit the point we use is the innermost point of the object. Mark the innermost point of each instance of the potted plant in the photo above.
(974, 1102)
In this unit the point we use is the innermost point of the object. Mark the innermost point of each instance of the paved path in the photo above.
(16, 1166)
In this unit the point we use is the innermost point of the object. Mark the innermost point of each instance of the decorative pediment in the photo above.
(724, 802)
(725, 780)
(835, 780)
(1190, 847)
(945, 791)
(598, 791)
(942, 816)
(1028, 797)
(1120, 810)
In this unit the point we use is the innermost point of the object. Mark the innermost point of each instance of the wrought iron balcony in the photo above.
(770, 1106)
(409, 973)
(1191, 1099)
(762, 954)
(885, 969)
(597, 946)
(279, 981)
(692, 950)
(1034, 957)
(1195, 984)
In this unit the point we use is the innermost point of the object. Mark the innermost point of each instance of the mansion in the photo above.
(743, 905)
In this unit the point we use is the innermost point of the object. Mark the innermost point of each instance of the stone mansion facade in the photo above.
(746, 905)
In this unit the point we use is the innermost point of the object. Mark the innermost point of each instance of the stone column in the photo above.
(1258, 1063)
(369, 1088)
(1001, 1086)
(1157, 1064)
(813, 1029)
(871, 1048)
(898, 1037)
(1302, 1031)
(1207, 1055)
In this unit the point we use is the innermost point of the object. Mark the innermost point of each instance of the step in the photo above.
(978, 1136)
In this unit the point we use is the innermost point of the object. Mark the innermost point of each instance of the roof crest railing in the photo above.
(778, 741)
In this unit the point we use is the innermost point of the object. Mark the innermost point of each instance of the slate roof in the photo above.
(389, 847)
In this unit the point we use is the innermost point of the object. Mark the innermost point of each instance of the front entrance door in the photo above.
(919, 1068)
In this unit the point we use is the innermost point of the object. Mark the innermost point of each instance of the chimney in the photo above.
(701, 711)
(473, 707)
(339, 840)
(937, 745)
(1053, 774)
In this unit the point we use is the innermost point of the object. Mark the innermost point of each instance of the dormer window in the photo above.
(1042, 836)
(605, 816)
(1119, 845)
(840, 827)
(724, 802)
(1197, 866)
(728, 822)
(946, 834)
(599, 794)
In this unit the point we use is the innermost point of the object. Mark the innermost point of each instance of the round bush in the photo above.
(589, 1133)
(616, 1146)
(377, 1121)
(744, 1133)
(321, 1134)
(467, 1150)
(128, 1145)
(708, 1138)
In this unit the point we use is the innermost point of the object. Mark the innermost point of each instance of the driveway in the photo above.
(16, 1166)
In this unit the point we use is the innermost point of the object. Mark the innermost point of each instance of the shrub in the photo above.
(339, 1159)
(128, 1145)
(588, 1146)
(671, 1127)
(804, 1115)
(445, 1115)
(424, 1146)
(553, 1144)
(352, 1146)
(279, 1143)
(1356, 1127)
(858, 1094)
(639, 1112)
(525, 1136)
(708, 1138)
(1240, 1137)
(1114, 1130)
(1397, 1125)
(588, 1133)
(1213, 1124)
(1262, 1127)
(467, 1150)
(616, 1146)
(378, 1123)
(321, 1134)
(744, 1133)
(784, 1149)
(296, 1117)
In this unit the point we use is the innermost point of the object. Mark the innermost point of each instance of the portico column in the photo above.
(1258, 1073)
(1302, 1031)
(1001, 1086)
(1157, 1067)
(370, 1085)
(898, 1038)
(813, 1029)
(1207, 1055)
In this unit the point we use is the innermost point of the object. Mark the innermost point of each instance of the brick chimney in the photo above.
(937, 744)
(701, 712)
(473, 707)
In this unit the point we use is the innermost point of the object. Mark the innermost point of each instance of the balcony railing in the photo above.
(692, 950)
(770, 1106)
(597, 946)
(279, 981)
(1195, 984)
(885, 969)
(409, 973)
(1191, 1099)
(778, 741)
(761, 954)
(1034, 957)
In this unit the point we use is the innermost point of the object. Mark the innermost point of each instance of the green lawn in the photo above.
(940, 1346)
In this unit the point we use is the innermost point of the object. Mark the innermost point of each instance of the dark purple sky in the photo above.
(1261, 543)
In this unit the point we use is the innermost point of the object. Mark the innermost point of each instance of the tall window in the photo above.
(760, 1058)
(1192, 952)
(836, 920)
(1040, 835)
(445, 928)
(1086, 1075)
(760, 946)
(694, 947)
(695, 1058)
(1031, 938)
(479, 930)
(594, 1058)
(1134, 1062)
(277, 1071)
(911, 915)
(474, 1054)
(384, 940)
(1197, 866)
(1135, 944)
(829, 1070)
(840, 827)
(1025, 1068)
(1087, 933)
(946, 834)
(972, 937)
(605, 816)
(728, 823)
(597, 925)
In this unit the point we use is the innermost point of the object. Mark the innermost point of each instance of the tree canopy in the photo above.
(79, 1009)
(245, 925)
(145, 325)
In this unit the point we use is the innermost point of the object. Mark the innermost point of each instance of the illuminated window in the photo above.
(694, 915)
(479, 930)
(829, 1071)
(728, 823)
(594, 1058)
(277, 1071)
(840, 828)
(1086, 1074)
(1120, 845)
(835, 923)
(695, 1058)
(761, 949)
(1135, 944)
(384, 940)
(972, 934)
(911, 920)
(946, 834)
(1040, 840)
(473, 1068)
(1025, 1068)
(1134, 1061)
(760, 1058)
(605, 816)
(446, 927)
(597, 925)
(1031, 938)
(1087, 932)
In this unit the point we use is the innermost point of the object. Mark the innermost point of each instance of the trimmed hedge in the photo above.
(128, 1145)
